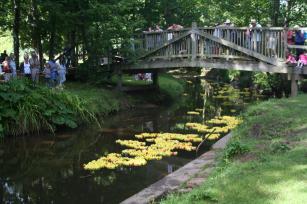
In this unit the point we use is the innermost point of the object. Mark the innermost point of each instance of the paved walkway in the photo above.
(192, 174)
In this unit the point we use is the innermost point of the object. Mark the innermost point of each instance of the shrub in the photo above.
(234, 148)
(26, 109)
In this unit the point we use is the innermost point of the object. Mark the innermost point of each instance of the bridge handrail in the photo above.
(158, 42)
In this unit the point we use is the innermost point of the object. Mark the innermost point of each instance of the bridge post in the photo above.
(155, 78)
(194, 41)
(294, 86)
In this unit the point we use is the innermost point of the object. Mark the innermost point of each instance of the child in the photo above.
(302, 60)
(47, 73)
(290, 59)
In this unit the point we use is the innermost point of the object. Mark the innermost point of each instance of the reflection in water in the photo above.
(49, 169)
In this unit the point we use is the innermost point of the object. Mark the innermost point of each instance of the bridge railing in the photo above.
(269, 42)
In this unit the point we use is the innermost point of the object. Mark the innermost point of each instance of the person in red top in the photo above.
(290, 36)
(6, 69)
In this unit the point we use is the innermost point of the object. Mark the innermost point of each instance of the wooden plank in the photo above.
(242, 49)
(201, 56)
(304, 47)
(221, 64)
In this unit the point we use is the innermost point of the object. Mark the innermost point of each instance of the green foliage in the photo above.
(234, 148)
(279, 147)
(26, 109)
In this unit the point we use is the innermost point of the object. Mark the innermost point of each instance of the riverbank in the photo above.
(265, 161)
(28, 109)
(104, 100)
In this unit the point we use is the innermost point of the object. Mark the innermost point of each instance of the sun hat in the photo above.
(227, 21)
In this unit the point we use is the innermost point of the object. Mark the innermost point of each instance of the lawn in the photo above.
(273, 168)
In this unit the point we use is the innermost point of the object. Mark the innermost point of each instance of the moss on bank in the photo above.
(273, 166)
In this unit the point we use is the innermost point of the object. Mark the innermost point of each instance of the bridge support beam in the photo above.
(294, 86)
(155, 78)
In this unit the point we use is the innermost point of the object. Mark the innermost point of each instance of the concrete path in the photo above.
(192, 174)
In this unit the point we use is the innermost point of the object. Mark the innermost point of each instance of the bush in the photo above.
(279, 147)
(234, 148)
(26, 109)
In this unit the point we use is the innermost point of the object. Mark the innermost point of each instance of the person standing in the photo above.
(6, 69)
(47, 74)
(53, 72)
(12, 65)
(35, 67)
(299, 40)
(255, 35)
(62, 72)
(271, 41)
(25, 66)
(3, 56)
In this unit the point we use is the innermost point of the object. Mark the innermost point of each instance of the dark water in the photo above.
(48, 169)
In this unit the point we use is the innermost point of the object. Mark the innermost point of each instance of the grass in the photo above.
(98, 100)
(273, 170)
(103, 101)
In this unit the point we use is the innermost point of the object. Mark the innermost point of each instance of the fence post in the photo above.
(285, 43)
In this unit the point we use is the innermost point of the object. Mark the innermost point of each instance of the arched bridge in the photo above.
(263, 49)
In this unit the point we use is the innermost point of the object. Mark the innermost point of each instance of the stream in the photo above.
(49, 169)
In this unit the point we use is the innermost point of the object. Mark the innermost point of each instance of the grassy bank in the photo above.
(265, 162)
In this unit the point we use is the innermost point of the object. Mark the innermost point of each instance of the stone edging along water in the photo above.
(175, 180)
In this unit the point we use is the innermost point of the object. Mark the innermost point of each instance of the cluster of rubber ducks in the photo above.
(113, 161)
(155, 146)
(193, 113)
(150, 137)
(132, 144)
(138, 153)
(226, 123)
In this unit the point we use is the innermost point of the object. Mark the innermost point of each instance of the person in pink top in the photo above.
(290, 58)
(302, 60)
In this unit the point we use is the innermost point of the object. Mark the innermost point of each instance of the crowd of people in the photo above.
(54, 73)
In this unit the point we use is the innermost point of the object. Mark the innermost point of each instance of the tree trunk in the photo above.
(52, 37)
(16, 27)
(275, 12)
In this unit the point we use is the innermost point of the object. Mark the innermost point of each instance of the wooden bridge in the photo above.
(264, 50)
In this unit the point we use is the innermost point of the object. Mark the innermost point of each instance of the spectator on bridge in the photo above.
(12, 65)
(299, 40)
(25, 66)
(149, 38)
(270, 38)
(255, 35)
(290, 36)
(158, 29)
(302, 61)
(35, 67)
(219, 34)
(290, 58)
(159, 36)
(175, 27)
